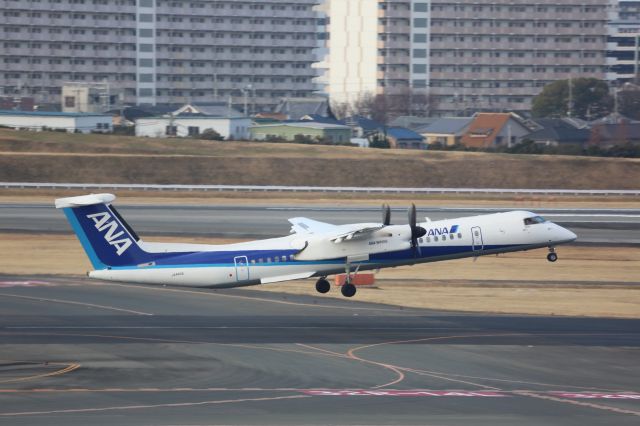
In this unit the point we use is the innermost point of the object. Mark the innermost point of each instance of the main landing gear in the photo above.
(552, 256)
(348, 289)
(323, 286)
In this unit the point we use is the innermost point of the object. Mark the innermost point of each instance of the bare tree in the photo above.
(386, 107)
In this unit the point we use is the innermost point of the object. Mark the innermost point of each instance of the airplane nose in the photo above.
(567, 235)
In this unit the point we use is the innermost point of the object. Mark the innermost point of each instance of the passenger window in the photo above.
(435, 238)
(459, 235)
(260, 260)
(253, 261)
(291, 257)
(268, 260)
(421, 240)
(284, 258)
(451, 237)
(428, 239)
(276, 259)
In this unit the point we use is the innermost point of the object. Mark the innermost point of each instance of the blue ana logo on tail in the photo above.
(102, 222)
(442, 231)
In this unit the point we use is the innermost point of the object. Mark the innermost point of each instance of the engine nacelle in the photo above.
(388, 239)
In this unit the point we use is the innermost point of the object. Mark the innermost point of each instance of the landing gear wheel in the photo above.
(323, 286)
(348, 290)
(552, 257)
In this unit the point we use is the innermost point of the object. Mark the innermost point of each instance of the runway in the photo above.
(593, 226)
(77, 352)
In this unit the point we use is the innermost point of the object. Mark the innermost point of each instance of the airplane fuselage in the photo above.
(302, 256)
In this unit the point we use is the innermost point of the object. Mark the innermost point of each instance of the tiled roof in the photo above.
(446, 126)
(51, 114)
(400, 133)
(559, 130)
(484, 128)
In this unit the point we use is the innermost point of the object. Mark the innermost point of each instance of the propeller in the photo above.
(386, 214)
(416, 231)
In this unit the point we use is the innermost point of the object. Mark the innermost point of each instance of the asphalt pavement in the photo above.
(78, 352)
(593, 226)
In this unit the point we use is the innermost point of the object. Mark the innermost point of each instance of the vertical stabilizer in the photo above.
(106, 238)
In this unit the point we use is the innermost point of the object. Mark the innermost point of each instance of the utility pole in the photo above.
(570, 106)
(636, 77)
(172, 130)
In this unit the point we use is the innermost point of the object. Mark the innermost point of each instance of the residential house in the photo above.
(445, 131)
(71, 122)
(412, 122)
(488, 130)
(559, 131)
(296, 108)
(334, 133)
(402, 138)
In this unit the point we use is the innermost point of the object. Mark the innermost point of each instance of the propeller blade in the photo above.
(412, 216)
(416, 231)
(386, 214)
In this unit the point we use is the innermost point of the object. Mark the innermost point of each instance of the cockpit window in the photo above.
(534, 220)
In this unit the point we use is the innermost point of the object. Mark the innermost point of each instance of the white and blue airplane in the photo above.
(314, 249)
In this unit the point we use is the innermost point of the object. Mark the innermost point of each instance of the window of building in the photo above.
(171, 130)
(194, 130)
(420, 23)
(69, 101)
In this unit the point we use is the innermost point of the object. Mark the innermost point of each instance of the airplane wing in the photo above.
(303, 225)
(355, 234)
(287, 278)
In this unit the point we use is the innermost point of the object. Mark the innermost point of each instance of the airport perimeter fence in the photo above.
(319, 189)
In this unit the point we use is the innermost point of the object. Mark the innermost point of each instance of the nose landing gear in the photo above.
(552, 256)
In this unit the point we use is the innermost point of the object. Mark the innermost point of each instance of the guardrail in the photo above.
(319, 189)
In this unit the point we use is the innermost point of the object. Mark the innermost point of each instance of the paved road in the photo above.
(592, 226)
(75, 352)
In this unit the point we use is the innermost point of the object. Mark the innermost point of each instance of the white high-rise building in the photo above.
(623, 46)
(161, 51)
(465, 55)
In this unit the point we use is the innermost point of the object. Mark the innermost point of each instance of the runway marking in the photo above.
(223, 327)
(69, 368)
(446, 376)
(596, 395)
(30, 283)
(196, 342)
(70, 302)
(626, 396)
(258, 299)
(407, 393)
(142, 407)
(578, 403)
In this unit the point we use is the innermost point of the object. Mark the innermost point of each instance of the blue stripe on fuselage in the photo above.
(226, 258)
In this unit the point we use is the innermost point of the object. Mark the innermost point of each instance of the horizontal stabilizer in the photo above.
(84, 200)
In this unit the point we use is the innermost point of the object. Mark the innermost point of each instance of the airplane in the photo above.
(313, 249)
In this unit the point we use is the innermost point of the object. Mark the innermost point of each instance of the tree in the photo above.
(210, 135)
(590, 99)
(629, 102)
(384, 108)
(379, 141)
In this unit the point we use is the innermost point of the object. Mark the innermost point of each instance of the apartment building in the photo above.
(161, 51)
(465, 54)
(623, 44)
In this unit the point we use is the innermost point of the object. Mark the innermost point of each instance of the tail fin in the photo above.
(106, 238)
